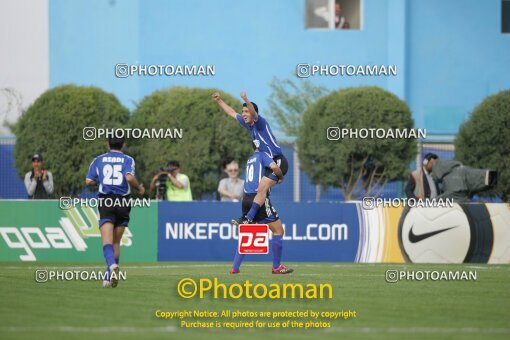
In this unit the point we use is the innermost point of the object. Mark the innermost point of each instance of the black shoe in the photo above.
(242, 220)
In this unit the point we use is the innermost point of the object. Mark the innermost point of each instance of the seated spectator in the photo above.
(225, 161)
(38, 182)
(231, 188)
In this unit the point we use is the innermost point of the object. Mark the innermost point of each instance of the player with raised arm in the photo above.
(260, 132)
(114, 172)
(256, 166)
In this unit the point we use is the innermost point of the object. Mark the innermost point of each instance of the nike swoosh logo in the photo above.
(413, 238)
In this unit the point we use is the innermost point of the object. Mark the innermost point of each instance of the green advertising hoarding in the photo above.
(33, 230)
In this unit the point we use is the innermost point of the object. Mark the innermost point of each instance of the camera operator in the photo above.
(461, 182)
(171, 184)
(421, 184)
(159, 182)
(38, 182)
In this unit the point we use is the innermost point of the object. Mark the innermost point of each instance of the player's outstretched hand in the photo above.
(243, 95)
(141, 190)
(216, 96)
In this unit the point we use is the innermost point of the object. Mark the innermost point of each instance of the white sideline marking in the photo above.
(42, 266)
(480, 267)
(352, 265)
(167, 329)
(72, 329)
(417, 330)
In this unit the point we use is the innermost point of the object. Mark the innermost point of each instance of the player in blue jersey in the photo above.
(256, 167)
(260, 132)
(114, 173)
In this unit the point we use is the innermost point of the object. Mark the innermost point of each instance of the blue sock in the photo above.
(108, 254)
(117, 261)
(253, 211)
(276, 248)
(237, 261)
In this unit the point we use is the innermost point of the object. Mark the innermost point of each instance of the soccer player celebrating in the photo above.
(260, 133)
(255, 167)
(114, 172)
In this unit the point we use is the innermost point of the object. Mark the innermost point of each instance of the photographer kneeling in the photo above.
(171, 184)
(462, 182)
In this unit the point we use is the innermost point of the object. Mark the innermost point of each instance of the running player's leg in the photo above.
(117, 237)
(276, 242)
(277, 248)
(238, 258)
(107, 238)
(107, 221)
(122, 221)
(268, 215)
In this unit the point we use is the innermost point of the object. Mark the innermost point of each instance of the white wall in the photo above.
(24, 56)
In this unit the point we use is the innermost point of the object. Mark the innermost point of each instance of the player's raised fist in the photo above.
(243, 95)
(216, 96)
(141, 190)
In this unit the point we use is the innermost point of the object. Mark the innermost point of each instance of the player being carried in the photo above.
(114, 172)
(256, 166)
(260, 133)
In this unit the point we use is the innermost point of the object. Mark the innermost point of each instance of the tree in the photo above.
(11, 107)
(288, 101)
(483, 140)
(353, 162)
(208, 135)
(53, 126)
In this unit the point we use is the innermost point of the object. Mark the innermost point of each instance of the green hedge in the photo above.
(483, 140)
(340, 163)
(53, 126)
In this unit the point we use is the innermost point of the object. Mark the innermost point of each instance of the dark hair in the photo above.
(226, 161)
(430, 156)
(173, 164)
(115, 143)
(254, 106)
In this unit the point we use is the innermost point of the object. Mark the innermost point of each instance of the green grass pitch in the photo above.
(408, 310)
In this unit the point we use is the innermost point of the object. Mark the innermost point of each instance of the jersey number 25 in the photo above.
(112, 174)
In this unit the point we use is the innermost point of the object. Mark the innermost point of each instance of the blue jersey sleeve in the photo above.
(129, 166)
(261, 123)
(92, 173)
(241, 121)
